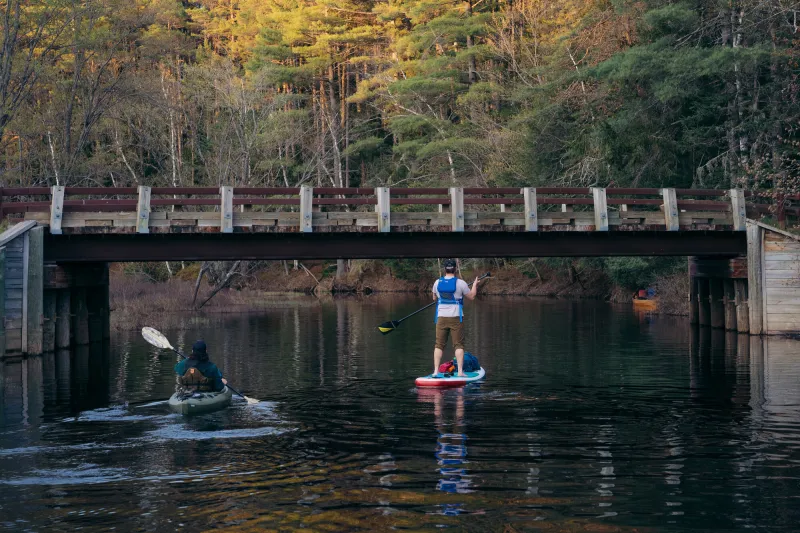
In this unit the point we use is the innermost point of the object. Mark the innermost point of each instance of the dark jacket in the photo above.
(207, 368)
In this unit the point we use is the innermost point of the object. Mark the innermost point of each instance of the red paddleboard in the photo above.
(439, 380)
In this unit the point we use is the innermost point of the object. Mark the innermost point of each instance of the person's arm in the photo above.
(179, 368)
(435, 294)
(474, 291)
(220, 381)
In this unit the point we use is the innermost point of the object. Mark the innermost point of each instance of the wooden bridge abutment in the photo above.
(758, 293)
(48, 306)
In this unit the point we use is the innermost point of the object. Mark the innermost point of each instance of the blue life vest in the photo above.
(447, 289)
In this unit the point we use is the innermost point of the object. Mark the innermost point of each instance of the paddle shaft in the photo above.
(431, 304)
(177, 351)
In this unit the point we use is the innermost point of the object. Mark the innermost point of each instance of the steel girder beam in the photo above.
(254, 246)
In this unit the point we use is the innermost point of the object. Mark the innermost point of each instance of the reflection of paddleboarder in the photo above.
(451, 451)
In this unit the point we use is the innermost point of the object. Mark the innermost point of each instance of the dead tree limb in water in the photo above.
(309, 273)
(203, 270)
(222, 284)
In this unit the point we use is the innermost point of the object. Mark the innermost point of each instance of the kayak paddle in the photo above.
(390, 326)
(157, 339)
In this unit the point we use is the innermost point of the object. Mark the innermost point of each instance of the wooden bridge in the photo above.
(55, 276)
(193, 223)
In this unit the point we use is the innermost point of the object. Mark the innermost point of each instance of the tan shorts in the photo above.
(446, 326)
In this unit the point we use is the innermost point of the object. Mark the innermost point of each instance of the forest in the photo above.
(645, 93)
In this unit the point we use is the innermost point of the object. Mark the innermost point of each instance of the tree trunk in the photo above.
(200, 275)
(224, 283)
(472, 74)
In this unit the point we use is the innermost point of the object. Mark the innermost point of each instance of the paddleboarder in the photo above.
(197, 373)
(449, 293)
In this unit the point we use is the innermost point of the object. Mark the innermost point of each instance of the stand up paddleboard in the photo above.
(440, 380)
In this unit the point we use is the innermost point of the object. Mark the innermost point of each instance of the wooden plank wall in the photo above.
(13, 272)
(781, 283)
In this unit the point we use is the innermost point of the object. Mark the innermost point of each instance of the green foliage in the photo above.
(640, 272)
(412, 92)
(407, 269)
(154, 272)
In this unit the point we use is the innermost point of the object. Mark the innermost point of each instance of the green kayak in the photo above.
(200, 402)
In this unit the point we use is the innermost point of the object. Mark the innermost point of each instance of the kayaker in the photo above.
(197, 374)
(449, 292)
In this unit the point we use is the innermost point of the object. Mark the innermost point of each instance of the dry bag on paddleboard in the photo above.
(471, 364)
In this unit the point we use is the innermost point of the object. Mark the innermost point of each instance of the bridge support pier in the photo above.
(716, 303)
(76, 307)
(718, 293)
(694, 307)
(703, 304)
(49, 326)
(742, 306)
(80, 317)
(63, 321)
(729, 302)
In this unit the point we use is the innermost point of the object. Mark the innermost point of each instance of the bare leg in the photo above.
(460, 360)
(437, 358)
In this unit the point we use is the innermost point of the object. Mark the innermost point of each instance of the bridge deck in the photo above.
(359, 221)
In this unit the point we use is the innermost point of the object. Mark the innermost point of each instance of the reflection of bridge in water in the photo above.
(65, 380)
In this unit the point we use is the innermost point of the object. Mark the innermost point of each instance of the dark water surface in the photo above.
(591, 419)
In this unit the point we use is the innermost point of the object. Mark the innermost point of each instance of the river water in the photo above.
(592, 418)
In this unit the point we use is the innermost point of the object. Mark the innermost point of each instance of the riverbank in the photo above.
(137, 300)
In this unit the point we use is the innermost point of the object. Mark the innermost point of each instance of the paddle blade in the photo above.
(388, 327)
(154, 337)
(249, 400)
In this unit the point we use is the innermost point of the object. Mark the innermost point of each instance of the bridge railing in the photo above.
(146, 209)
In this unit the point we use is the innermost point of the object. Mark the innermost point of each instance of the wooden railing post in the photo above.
(738, 210)
(56, 209)
(143, 210)
(531, 218)
(457, 208)
(383, 209)
(226, 209)
(600, 209)
(671, 218)
(306, 204)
